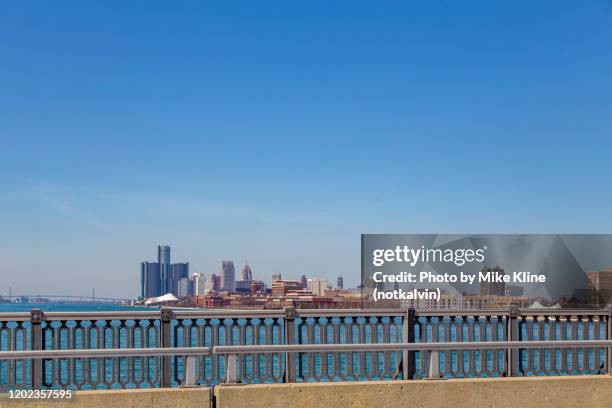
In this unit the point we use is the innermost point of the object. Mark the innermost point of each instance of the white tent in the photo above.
(538, 305)
(168, 297)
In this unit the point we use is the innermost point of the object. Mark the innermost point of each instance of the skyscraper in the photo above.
(163, 258)
(216, 281)
(276, 276)
(161, 277)
(304, 282)
(228, 276)
(247, 273)
(182, 288)
(178, 271)
(198, 280)
(340, 283)
(150, 280)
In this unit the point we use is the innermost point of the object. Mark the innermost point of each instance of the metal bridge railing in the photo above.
(232, 353)
(141, 349)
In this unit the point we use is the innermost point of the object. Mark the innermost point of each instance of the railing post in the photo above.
(512, 335)
(609, 349)
(190, 371)
(36, 318)
(434, 365)
(408, 357)
(231, 369)
(290, 315)
(165, 341)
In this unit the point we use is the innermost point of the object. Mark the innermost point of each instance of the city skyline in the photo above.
(179, 281)
(279, 134)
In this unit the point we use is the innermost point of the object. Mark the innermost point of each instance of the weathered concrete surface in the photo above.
(142, 398)
(538, 392)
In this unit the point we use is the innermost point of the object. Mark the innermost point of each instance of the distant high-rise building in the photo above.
(493, 288)
(190, 287)
(163, 258)
(340, 283)
(304, 282)
(247, 273)
(216, 281)
(178, 271)
(276, 276)
(209, 284)
(317, 286)
(199, 281)
(163, 254)
(228, 276)
(150, 281)
(242, 286)
(213, 283)
(182, 288)
(166, 274)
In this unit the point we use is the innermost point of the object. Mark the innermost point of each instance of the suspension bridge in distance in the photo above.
(38, 298)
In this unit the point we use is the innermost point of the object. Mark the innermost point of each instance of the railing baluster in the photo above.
(336, 340)
(471, 353)
(529, 325)
(563, 336)
(459, 338)
(596, 322)
(493, 322)
(323, 361)
(448, 357)
(551, 324)
(362, 356)
(242, 340)
(268, 338)
(482, 326)
(574, 336)
(256, 340)
(585, 321)
(541, 352)
(349, 322)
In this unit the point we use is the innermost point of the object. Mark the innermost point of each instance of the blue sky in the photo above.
(278, 132)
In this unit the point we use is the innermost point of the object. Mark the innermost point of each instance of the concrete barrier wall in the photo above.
(142, 398)
(539, 392)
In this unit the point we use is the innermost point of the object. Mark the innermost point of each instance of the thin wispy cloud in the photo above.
(147, 210)
(63, 201)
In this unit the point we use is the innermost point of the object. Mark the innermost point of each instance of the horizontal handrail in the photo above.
(378, 347)
(104, 353)
(302, 348)
(298, 313)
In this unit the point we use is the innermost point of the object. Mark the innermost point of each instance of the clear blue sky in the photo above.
(279, 132)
